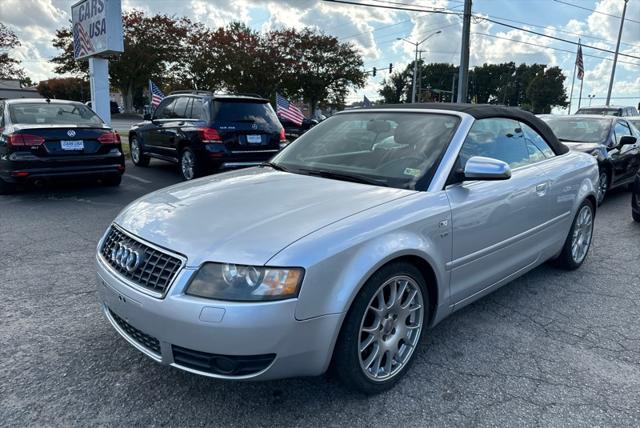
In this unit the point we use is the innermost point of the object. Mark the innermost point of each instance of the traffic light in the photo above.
(390, 68)
(374, 72)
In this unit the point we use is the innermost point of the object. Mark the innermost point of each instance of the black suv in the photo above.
(202, 132)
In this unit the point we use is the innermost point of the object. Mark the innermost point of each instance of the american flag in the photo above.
(81, 41)
(288, 111)
(580, 63)
(156, 94)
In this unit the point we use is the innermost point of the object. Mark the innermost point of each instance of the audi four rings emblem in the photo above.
(126, 257)
(71, 133)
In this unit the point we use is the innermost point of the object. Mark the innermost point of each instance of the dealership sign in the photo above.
(97, 28)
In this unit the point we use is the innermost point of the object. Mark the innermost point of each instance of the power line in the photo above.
(553, 48)
(595, 11)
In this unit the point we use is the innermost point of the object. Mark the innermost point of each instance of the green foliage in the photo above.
(66, 88)
(178, 54)
(9, 67)
(534, 87)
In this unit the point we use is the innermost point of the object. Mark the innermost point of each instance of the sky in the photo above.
(374, 31)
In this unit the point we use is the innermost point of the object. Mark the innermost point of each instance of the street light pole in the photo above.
(463, 76)
(415, 62)
(615, 57)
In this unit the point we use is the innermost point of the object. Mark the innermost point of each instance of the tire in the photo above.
(581, 230)
(604, 182)
(188, 164)
(636, 216)
(137, 157)
(356, 366)
(6, 188)
(112, 181)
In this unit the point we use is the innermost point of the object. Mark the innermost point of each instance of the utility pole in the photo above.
(615, 58)
(415, 63)
(463, 77)
(453, 86)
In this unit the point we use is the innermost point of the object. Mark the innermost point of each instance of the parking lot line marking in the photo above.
(139, 179)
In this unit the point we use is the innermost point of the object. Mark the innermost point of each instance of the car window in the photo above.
(53, 114)
(197, 110)
(180, 107)
(1, 114)
(621, 129)
(535, 140)
(260, 113)
(501, 139)
(579, 129)
(393, 149)
(165, 109)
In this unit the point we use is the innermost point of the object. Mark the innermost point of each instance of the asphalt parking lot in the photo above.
(553, 348)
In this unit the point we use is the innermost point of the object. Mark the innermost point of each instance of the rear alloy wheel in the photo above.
(188, 164)
(137, 157)
(382, 329)
(603, 186)
(578, 242)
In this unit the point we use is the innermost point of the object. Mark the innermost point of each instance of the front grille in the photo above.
(143, 339)
(227, 365)
(157, 269)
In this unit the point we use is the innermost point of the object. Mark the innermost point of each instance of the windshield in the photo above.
(234, 111)
(600, 111)
(53, 114)
(388, 149)
(582, 130)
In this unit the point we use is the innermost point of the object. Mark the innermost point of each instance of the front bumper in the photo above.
(266, 334)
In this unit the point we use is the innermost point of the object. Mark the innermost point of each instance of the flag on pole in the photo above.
(156, 94)
(580, 63)
(288, 111)
(366, 103)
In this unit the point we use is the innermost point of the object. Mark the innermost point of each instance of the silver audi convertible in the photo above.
(345, 248)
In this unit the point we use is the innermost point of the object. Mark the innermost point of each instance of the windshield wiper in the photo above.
(356, 178)
(564, 140)
(274, 166)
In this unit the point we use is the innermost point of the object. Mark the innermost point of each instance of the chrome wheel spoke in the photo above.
(390, 328)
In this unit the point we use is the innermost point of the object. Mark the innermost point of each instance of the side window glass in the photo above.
(165, 109)
(197, 111)
(180, 108)
(621, 129)
(496, 138)
(534, 139)
(1, 115)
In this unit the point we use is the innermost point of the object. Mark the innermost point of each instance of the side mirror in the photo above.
(147, 116)
(627, 140)
(481, 168)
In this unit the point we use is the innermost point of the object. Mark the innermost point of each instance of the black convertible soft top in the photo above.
(483, 111)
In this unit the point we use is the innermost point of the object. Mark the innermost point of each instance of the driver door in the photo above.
(495, 223)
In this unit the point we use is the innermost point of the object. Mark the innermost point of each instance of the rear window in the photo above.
(234, 111)
(600, 111)
(52, 114)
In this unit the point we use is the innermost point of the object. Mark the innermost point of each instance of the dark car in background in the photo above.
(293, 130)
(114, 108)
(42, 140)
(203, 132)
(635, 199)
(619, 111)
(611, 139)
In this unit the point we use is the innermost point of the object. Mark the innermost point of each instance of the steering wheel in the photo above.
(404, 162)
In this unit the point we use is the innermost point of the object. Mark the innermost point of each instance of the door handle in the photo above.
(541, 189)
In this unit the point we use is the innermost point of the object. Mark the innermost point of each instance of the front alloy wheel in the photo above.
(382, 329)
(582, 232)
(390, 328)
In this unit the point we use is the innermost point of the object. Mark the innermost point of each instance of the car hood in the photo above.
(246, 216)
(582, 147)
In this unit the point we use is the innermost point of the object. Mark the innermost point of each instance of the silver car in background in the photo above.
(367, 230)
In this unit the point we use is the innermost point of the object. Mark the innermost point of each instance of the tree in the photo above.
(394, 88)
(153, 45)
(546, 90)
(66, 88)
(325, 69)
(9, 67)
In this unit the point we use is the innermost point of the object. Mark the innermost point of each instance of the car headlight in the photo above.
(245, 283)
